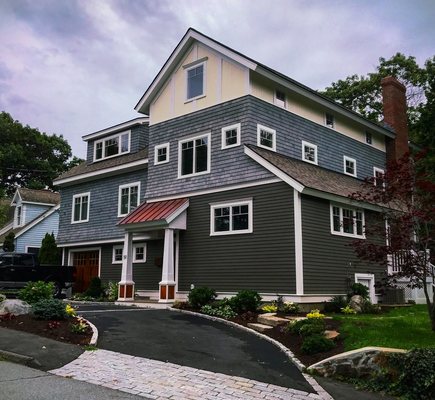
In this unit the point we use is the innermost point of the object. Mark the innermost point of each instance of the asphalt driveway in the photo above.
(192, 341)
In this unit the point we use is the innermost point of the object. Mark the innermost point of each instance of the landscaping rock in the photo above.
(15, 307)
(259, 327)
(356, 303)
(331, 335)
(271, 319)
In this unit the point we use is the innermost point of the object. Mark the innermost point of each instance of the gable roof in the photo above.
(116, 128)
(193, 35)
(36, 196)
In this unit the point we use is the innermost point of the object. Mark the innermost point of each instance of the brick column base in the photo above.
(125, 291)
(167, 293)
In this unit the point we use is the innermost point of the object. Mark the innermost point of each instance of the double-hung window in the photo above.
(378, 176)
(194, 156)
(195, 76)
(346, 221)
(231, 136)
(329, 120)
(117, 254)
(309, 152)
(129, 196)
(80, 207)
(139, 253)
(161, 154)
(112, 146)
(266, 137)
(233, 217)
(349, 165)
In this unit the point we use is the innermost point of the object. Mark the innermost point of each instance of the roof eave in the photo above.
(116, 128)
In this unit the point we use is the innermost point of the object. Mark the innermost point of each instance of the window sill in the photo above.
(194, 98)
(193, 175)
(231, 232)
(79, 222)
(349, 235)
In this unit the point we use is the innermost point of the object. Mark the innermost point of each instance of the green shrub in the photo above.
(223, 311)
(368, 308)
(360, 290)
(95, 288)
(36, 291)
(49, 309)
(111, 291)
(49, 253)
(316, 344)
(269, 308)
(311, 329)
(336, 304)
(201, 296)
(290, 308)
(245, 300)
(296, 327)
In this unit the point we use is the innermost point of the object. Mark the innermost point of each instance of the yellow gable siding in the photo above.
(224, 80)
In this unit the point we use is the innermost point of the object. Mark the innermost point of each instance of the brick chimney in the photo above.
(394, 102)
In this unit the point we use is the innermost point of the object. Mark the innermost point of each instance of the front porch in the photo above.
(164, 218)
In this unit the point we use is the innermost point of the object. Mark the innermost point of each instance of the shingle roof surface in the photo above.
(39, 196)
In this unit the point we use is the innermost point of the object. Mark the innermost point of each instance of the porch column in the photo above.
(126, 285)
(167, 284)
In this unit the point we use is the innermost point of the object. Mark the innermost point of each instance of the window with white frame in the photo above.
(231, 136)
(280, 98)
(369, 138)
(309, 152)
(347, 221)
(161, 154)
(329, 120)
(231, 217)
(195, 77)
(112, 146)
(378, 176)
(266, 137)
(349, 165)
(117, 254)
(80, 207)
(128, 198)
(139, 253)
(194, 156)
(19, 216)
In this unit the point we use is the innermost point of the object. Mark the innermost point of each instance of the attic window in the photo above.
(195, 81)
(329, 120)
(369, 138)
(280, 98)
(112, 146)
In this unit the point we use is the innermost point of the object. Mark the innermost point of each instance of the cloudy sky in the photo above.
(72, 67)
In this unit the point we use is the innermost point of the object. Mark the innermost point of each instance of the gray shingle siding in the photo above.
(103, 212)
(329, 260)
(231, 166)
(262, 260)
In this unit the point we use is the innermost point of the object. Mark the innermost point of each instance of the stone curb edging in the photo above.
(19, 359)
(94, 338)
(315, 385)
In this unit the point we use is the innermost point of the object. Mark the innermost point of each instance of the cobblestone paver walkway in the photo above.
(166, 381)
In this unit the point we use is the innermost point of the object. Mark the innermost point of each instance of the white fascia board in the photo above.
(39, 204)
(106, 241)
(177, 212)
(177, 55)
(276, 171)
(37, 220)
(341, 199)
(320, 100)
(104, 171)
(6, 228)
(14, 199)
(116, 128)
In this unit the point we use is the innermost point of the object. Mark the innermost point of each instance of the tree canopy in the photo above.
(30, 158)
(363, 94)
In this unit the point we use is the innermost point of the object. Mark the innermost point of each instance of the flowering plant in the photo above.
(315, 314)
(348, 310)
(70, 311)
(270, 308)
(80, 326)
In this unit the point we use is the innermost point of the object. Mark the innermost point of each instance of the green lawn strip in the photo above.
(403, 328)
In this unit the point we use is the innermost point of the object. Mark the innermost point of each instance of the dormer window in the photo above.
(195, 81)
(369, 138)
(280, 98)
(19, 219)
(112, 146)
(329, 120)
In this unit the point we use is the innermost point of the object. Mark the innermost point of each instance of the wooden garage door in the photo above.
(86, 263)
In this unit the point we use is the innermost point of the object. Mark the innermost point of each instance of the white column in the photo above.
(298, 243)
(167, 284)
(126, 285)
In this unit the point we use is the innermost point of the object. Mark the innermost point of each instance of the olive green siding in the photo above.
(330, 263)
(263, 260)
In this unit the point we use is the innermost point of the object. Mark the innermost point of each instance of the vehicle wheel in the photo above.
(57, 291)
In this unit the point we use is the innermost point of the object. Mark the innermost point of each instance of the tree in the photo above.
(8, 244)
(407, 197)
(48, 253)
(363, 94)
(30, 158)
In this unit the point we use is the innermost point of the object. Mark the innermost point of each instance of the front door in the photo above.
(86, 263)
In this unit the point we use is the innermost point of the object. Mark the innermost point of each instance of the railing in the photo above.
(396, 260)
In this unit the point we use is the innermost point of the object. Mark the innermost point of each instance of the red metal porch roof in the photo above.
(157, 211)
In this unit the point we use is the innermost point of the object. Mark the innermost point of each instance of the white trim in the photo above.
(120, 152)
(135, 246)
(354, 211)
(156, 150)
(230, 205)
(177, 257)
(276, 171)
(268, 130)
(27, 248)
(128, 185)
(63, 256)
(106, 241)
(116, 128)
(17, 193)
(38, 220)
(280, 103)
(217, 190)
(224, 130)
(21, 213)
(7, 228)
(189, 67)
(327, 113)
(85, 249)
(376, 169)
(88, 194)
(190, 139)
(177, 212)
(103, 171)
(114, 248)
(350, 159)
(299, 263)
(371, 278)
(313, 146)
(39, 204)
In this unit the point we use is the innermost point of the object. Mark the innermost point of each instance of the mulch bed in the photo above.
(61, 330)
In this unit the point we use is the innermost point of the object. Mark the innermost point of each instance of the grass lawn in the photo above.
(403, 328)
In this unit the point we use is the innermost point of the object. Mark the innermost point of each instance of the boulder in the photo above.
(15, 307)
(356, 303)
